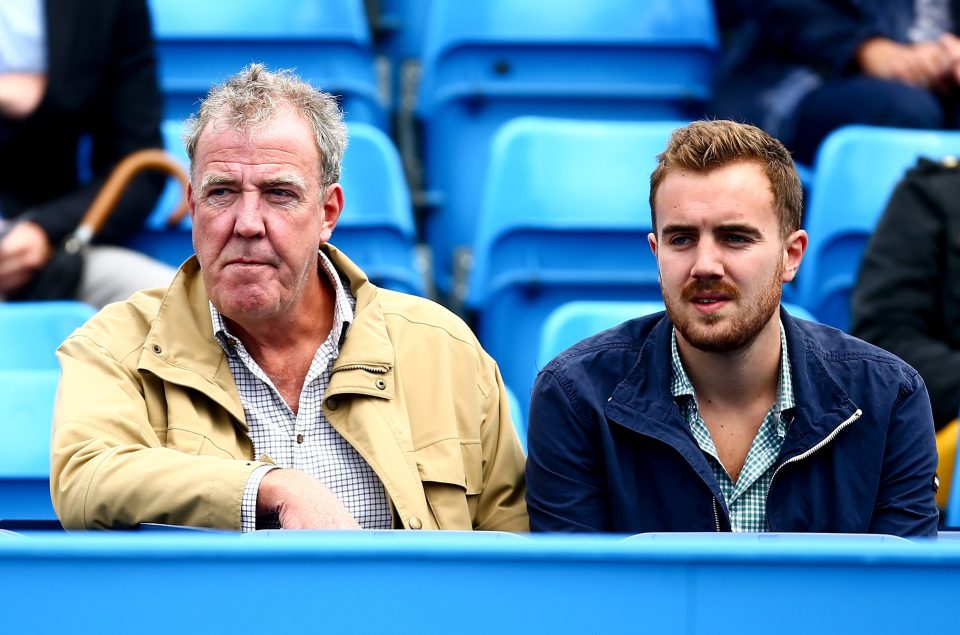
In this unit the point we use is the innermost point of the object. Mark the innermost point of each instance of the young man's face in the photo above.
(722, 261)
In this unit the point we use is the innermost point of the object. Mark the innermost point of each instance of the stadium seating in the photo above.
(565, 216)
(30, 332)
(487, 62)
(26, 400)
(376, 228)
(327, 43)
(518, 414)
(857, 168)
(571, 322)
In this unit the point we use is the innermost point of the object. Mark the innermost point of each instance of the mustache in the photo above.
(699, 287)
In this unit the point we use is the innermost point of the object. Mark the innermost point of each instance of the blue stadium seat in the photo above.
(487, 62)
(565, 216)
(327, 43)
(519, 420)
(26, 400)
(376, 228)
(30, 332)
(574, 321)
(856, 170)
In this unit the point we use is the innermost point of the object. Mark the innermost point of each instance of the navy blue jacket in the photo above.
(610, 451)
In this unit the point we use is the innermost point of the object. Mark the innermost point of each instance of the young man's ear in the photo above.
(793, 249)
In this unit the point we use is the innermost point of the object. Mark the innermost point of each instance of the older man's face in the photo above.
(259, 216)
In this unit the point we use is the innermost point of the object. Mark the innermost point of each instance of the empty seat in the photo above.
(856, 170)
(26, 400)
(517, 413)
(30, 332)
(327, 43)
(565, 216)
(487, 62)
(376, 229)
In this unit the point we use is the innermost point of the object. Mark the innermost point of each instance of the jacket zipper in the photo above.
(716, 514)
(830, 437)
(366, 367)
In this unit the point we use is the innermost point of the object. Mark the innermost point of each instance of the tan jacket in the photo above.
(149, 427)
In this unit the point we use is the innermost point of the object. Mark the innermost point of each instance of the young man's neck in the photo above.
(738, 377)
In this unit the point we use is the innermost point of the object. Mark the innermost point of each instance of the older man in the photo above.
(726, 414)
(272, 385)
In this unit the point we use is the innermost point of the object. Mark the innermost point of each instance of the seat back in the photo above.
(26, 400)
(200, 44)
(30, 332)
(517, 413)
(565, 216)
(856, 170)
(376, 229)
(487, 62)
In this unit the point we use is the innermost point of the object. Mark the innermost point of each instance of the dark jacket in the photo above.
(610, 451)
(907, 296)
(102, 85)
(777, 51)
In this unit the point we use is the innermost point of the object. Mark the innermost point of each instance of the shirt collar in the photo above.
(681, 386)
(343, 310)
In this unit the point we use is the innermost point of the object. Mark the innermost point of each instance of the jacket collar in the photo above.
(643, 402)
(180, 346)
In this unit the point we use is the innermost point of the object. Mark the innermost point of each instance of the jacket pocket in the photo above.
(451, 476)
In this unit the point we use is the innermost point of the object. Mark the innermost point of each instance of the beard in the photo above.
(716, 333)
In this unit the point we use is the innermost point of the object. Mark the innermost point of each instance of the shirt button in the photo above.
(415, 523)
(299, 438)
(333, 403)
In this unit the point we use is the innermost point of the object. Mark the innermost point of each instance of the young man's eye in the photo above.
(680, 241)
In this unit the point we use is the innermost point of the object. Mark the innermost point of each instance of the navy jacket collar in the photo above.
(643, 402)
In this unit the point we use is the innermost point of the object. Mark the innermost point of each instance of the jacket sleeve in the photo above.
(126, 118)
(823, 34)
(501, 505)
(898, 301)
(565, 487)
(109, 467)
(906, 504)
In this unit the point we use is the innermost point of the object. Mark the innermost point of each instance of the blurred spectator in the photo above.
(906, 298)
(69, 71)
(802, 68)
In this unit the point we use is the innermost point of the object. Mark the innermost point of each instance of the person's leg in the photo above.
(111, 274)
(861, 100)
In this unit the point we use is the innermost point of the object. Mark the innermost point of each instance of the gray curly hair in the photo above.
(252, 97)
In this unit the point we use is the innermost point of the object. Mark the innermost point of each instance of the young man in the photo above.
(725, 414)
(271, 385)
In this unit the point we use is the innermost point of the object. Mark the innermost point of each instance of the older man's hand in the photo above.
(301, 502)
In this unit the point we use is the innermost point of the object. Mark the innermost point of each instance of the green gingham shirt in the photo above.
(747, 498)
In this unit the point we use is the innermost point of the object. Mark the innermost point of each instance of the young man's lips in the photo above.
(709, 304)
